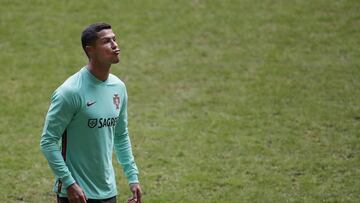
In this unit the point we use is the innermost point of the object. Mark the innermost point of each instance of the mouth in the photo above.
(116, 52)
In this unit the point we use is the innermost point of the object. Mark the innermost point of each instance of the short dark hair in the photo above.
(89, 35)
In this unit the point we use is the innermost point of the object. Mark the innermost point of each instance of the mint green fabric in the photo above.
(94, 115)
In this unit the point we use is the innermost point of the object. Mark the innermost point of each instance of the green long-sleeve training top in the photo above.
(86, 120)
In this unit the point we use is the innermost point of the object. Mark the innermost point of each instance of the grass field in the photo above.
(229, 101)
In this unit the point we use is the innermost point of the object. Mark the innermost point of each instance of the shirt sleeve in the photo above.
(57, 119)
(122, 145)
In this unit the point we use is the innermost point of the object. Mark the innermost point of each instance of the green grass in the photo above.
(229, 101)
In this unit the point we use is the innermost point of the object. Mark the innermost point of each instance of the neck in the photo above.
(100, 71)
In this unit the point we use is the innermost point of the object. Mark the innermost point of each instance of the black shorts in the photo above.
(110, 200)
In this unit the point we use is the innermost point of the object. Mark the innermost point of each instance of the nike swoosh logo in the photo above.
(90, 103)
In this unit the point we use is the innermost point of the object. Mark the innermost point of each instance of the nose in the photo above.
(114, 45)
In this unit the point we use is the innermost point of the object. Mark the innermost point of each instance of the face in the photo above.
(105, 50)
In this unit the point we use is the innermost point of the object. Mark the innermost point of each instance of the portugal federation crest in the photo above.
(116, 100)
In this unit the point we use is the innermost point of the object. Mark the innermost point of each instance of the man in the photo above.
(88, 113)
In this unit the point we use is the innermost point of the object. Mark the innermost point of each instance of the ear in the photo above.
(89, 50)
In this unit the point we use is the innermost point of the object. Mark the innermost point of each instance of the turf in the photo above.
(229, 101)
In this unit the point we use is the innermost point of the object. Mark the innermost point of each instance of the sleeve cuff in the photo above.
(133, 179)
(67, 181)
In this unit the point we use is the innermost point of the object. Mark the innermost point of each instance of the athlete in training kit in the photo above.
(88, 116)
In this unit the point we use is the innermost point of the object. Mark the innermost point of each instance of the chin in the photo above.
(114, 61)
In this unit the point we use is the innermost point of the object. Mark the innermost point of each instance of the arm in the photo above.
(122, 145)
(60, 113)
(57, 119)
(124, 154)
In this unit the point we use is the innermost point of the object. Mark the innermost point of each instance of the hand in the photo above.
(136, 190)
(76, 194)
